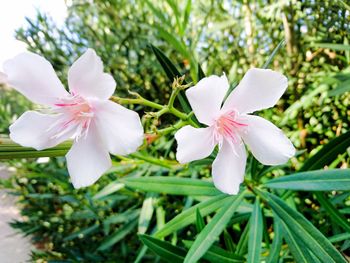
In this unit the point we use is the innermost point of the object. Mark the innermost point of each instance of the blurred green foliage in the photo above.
(221, 36)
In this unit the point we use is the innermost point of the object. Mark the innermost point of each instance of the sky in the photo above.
(12, 16)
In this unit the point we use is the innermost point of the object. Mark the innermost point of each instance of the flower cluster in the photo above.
(98, 126)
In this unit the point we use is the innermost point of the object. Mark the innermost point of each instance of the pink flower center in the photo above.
(227, 127)
(76, 113)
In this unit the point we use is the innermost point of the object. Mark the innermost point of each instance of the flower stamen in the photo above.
(77, 113)
(227, 127)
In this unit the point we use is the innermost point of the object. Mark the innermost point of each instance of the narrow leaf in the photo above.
(109, 189)
(164, 249)
(12, 150)
(200, 72)
(212, 230)
(117, 235)
(277, 241)
(146, 213)
(172, 72)
(341, 88)
(229, 244)
(189, 215)
(298, 250)
(273, 54)
(303, 229)
(82, 233)
(243, 241)
(172, 185)
(216, 254)
(255, 234)
(334, 213)
(328, 153)
(340, 47)
(187, 13)
(319, 180)
(200, 224)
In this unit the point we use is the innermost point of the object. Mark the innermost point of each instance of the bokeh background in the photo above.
(100, 224)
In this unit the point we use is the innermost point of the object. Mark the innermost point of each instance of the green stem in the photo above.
(11, 150)
(172, 128)
(151, 160)
(173, 95)
(140, 101)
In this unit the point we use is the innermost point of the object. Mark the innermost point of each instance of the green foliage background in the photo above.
(100, 223)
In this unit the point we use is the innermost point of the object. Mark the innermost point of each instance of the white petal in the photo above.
(206, 97)
(259, 89)
(34, 77)
(88, 159)
(229, 167)
(86, 77)
(194, 143)
(268, 143)
(32, 129)
(3, 78)
(120, 128)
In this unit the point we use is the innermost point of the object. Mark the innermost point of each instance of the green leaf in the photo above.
(255, 233)
(340, 47)
(82, 233)
(189, 215)
(200, 72)
(212, 230)
(118, 235)
(298, 249)
(172, 72)
(277, 241)
(243, 241)
(319, 180)
(339, 237)
(216, 254)
(229, 244)
(326, 156)
(328, 153)
(273, 54)
(200, 224)
(187, 13)
(164, 249)
(341, 88)
(303, 229)
(129, 215)
(12, 150)
(158, 13)
(109, 189)
(334, 213)
(146, 213)
(172, 185)
(173, 41)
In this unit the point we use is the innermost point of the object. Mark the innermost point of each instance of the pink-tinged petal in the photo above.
(268, 143)
(120, 128)
(34, 77)
(87, 79)
(88, 159)
(206, 97)
(3, 78)
(259, 89)
(229, 167)
(194, 143)
(34, 129)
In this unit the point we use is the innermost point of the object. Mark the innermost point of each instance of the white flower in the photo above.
(231, 125)
(97, 125)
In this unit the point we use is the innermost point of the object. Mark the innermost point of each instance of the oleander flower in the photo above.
(232, 124)
(85, 114)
